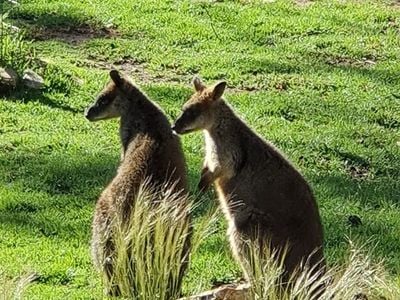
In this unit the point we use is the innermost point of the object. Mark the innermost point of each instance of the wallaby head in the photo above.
(112, 100)
(198, 112)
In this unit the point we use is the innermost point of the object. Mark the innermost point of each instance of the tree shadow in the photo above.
(370, 193)
(49, 194)
(54, 195)
(364, 199)
(317, 63)
(72, 28)
(26, 96)
(365, 66)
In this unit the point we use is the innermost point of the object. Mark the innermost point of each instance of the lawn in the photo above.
(319, 79)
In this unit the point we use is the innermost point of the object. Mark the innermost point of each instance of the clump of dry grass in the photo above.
(14, 288)
(152, 249)
(358, 278)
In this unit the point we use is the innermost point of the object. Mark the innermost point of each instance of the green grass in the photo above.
(320, 81)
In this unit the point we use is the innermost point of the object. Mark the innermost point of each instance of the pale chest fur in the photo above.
(212, 160)
(218, 158)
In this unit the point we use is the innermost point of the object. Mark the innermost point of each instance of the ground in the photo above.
(319, 79)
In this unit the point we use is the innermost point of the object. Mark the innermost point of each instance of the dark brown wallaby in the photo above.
(150, 150)
(267, 202)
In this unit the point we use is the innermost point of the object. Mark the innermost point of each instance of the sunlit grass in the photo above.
(152, 247)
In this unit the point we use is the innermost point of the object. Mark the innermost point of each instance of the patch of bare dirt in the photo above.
(358, 172)
(72, 35)
(225, 292)
(395, 4)
(364, 62)
(139, 71)
(303, 3)
(392, 24)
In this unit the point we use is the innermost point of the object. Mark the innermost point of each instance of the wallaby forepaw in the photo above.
(203, 186)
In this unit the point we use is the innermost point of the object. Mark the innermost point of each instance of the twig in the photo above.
(212, 25)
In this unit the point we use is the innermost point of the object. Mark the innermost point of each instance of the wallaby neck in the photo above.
(226, 125)
(142, 117)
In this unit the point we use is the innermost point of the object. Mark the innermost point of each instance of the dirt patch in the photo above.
(391, 24)
(344, 61)
(303, 3)
(358, 172)
(139, 71)
(395, 4)
(71, 35)
(356, 169)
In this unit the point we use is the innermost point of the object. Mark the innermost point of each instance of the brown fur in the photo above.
(149, 150)
(265, 199)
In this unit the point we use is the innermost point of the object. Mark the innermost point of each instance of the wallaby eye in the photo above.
(102, 100)
(191, 113)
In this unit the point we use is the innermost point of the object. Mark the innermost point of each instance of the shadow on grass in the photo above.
(58, 174)
(51, 195)
(317, 64)
(27, 96)
(70, 27)
(371, 193)
(344, 197)
(365, 66)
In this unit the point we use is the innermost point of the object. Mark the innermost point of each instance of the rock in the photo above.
(8, 79)
(240, 292)
(32, 80)
(225, 292)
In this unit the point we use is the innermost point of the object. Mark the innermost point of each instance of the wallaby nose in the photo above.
(87, 114)
(173, 128)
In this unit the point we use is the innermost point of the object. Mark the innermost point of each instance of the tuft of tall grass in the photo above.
(152, 247)
(15, 51)
(14, 288)
(358, 278)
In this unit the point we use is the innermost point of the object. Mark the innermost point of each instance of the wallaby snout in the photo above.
(91, 113)
(181, 124)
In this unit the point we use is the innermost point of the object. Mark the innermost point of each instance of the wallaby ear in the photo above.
(116, 77)
(198, 84)
(218, 90)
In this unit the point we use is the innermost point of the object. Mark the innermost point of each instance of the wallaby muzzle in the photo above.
(91, 113)
(180, 125)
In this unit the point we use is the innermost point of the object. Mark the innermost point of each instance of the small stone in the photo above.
(32, 80)
(8, 79)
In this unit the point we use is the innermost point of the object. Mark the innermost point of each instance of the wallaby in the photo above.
(266, 201)
(150, 150)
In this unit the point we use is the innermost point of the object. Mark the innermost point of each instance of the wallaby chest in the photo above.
(218, 157)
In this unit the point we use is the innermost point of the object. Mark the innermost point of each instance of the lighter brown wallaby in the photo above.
(150, 150)
(266, 200)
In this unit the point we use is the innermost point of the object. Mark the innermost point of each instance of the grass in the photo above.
(15, 51)
(14, 288)
(358, 276)
(319, 80)
(152, 246)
